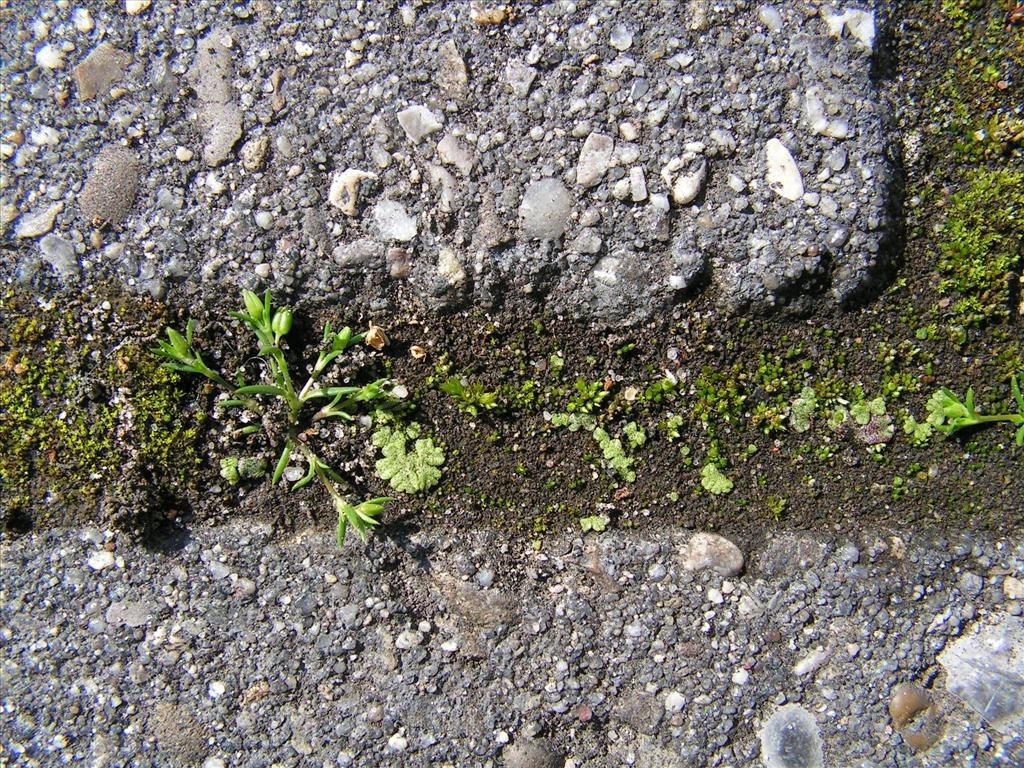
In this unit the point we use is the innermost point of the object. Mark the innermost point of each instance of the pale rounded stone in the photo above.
(674, 702)
(50, 57)
(1013, 588)
(544, 210)
(594, 160)
(709, 551)
(791, 739)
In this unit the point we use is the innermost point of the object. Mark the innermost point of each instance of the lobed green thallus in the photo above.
(270, 326)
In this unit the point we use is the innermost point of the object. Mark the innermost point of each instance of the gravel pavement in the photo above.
(232, 648)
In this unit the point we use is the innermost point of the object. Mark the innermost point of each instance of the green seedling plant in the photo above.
(270, 326)
(471, 398)
(948, 414)
(588, 396)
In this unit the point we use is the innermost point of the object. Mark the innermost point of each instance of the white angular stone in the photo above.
(135, 7)
(50, 57)
(100, 560)
(685, 177)
(450, 268)
(545, 208)
(637, 184)
(519, 77)
(621, 38)
(783, 176)
(859, 23)
(985, 668)
(417, 121)
(453, 152)
(674, 702)
(595, 159)
(344, 191)
(393, 222)
(82, 20)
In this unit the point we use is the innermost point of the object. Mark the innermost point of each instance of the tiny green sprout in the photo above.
(229, 470)
(948, 414)
(670, 427)
(596, 523)
(863, 410)
(635, 435)
(713, 481)
(589, 395)
(471, 398)
(363, 517)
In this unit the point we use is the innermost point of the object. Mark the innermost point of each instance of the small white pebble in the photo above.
(217, 689)
(135, 7)
(82, 20)
(741, 676)
(303, 49)
(674, 702)
(263, 270)
(184, 154)
(215, 185)
(100, 560)
(398, 743)
(715, 596)
(49, 57)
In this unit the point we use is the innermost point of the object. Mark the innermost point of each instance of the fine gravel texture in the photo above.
(610, 160)
(451, 648)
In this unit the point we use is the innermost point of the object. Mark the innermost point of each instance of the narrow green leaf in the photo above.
(260, 389)
(342, 527)
(307, 479)
(282, 463)
(1015, 388)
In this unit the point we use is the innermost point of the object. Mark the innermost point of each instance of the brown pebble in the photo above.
(908, 700)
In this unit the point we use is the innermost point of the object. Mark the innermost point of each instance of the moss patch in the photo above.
(91, 420)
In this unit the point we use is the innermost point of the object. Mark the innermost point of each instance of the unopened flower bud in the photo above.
(282, 322)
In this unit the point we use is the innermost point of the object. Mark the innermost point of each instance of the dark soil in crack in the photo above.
(109, 438)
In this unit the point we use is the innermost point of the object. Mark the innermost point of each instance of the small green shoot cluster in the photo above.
(270, 326)
(588, 396)
(470, 397)
(948, 414)
(714, 481)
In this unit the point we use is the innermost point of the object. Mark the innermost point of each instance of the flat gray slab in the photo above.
(608, 160)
